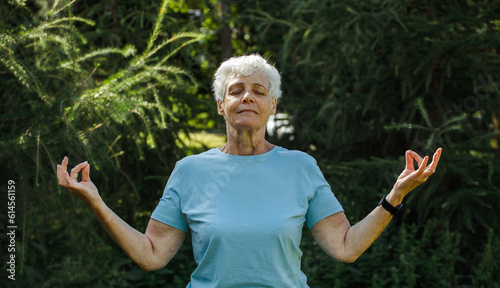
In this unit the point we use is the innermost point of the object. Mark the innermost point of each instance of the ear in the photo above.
(220, 107)
(274, 103)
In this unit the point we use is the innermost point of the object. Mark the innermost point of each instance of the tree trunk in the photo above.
(225, 30)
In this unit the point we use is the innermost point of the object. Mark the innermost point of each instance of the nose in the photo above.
(247, 98)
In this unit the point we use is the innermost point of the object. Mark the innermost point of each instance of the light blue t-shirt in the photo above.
(246, 214)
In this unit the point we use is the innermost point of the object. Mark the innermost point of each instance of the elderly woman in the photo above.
(245, 203)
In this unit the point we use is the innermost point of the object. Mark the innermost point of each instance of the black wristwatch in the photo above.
(387, 206)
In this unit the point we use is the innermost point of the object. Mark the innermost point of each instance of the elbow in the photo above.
(343, 256)
(150, 267)
(348, 258)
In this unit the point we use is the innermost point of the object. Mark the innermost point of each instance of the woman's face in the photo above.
(247, 103)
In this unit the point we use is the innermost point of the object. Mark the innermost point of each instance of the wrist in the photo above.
(394, 199)
(97, 205)
(388, 206)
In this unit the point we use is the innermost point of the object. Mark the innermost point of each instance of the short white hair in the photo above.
(246, 66)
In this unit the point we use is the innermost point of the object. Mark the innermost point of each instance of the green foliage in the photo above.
(421, 256)
(486, 273)
(115, 106)
(117, 83)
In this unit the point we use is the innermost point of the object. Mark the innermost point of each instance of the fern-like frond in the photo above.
(173, 39)
(179, 48)
(423, 112)
(406, 126)
(56, 24)
(156, 30)
(38, 35)
(6, 42)
(24, 76)
(127, 51)
(54, 11)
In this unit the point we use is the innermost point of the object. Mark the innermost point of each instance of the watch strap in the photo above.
(387, 206)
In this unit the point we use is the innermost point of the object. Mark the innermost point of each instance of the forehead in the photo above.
(254, 79)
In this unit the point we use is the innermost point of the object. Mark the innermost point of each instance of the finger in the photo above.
(423, 165)
(64, 163)
(409, 161)
(416, 157)
(435, 160)
(76, 169)
(70, 181)
(60, 177)
(86, 173)
(437, 155)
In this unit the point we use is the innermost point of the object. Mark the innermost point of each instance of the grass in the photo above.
(200, 141)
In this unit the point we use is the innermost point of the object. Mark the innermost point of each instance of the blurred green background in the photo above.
(125, 84)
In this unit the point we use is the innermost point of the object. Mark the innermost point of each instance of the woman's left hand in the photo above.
(411, 178)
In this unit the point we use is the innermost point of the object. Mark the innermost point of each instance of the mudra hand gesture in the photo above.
(85, 189)
(410, 178)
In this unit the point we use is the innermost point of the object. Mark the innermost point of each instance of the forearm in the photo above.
(151, 250)
(136, 244)
(345, 242)
(362, 235)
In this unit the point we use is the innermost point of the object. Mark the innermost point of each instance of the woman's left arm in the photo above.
(346, 243)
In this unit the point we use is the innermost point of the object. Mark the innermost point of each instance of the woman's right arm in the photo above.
(151, 250)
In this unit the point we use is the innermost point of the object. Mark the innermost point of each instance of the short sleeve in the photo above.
(169, 210)
(322, 205)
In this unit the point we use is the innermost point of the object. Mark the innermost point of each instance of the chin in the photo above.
(248, 124)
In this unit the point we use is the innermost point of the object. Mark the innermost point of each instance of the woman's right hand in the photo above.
(85, 189)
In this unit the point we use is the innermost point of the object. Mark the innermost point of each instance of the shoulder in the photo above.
(197, 159)
(296, 156)
(192, 166)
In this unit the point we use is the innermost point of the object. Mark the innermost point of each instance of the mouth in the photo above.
(247, 111)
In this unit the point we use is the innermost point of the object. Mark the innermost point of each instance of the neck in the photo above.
(246, 142)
